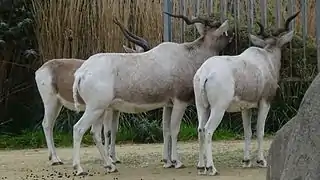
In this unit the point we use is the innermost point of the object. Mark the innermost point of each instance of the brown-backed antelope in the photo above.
(54, 81)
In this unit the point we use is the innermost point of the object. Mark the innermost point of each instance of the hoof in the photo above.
(114, 171)
(262, 163)
(79, 170)
(82, 174)
(111, 169)
(167, 163)
(201, 170)
(178, 164)
(246, 163)
(116, 161)
(57, 163)
(212, 171)
(181, 166)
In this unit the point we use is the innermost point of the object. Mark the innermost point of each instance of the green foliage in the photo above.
(141, 129)
(16, 28)
(17, 58)
(36, 139)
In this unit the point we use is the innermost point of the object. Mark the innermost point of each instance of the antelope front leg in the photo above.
(177, 113)
(264, 108)
(166, 116)
(246, 120)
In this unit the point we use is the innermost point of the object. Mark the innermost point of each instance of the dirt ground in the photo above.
(139, 162)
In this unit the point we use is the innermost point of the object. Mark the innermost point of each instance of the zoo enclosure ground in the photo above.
(139, 161)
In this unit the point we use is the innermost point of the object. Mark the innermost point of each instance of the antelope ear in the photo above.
(199, 26)
(128, 50)
(138, 48)
(257, 41)
(222, 29)
(284, 39)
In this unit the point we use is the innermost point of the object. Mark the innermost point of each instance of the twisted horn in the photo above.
(261, 32)
(287, 23)
(186, 19)
(132, 37)
(204, 21)
(286, 26)
(131, 34)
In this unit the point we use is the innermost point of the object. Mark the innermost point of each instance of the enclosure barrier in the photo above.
(233, 8)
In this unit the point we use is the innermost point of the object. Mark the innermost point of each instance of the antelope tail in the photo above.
(75, 90)
(203, 93)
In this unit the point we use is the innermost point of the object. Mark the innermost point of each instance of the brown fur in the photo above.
(62, 71)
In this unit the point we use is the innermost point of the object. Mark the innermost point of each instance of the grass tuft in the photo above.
(36, 139)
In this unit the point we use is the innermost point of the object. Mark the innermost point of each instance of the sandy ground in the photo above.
(138, 162)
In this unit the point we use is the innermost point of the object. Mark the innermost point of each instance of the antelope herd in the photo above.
(169, 76)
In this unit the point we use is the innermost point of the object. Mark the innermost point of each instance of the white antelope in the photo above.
(54, 81)
(237, 84)
(140, 82)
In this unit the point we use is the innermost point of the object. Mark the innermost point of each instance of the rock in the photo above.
(294, 153)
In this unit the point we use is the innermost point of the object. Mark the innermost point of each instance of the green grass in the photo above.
(36, 139)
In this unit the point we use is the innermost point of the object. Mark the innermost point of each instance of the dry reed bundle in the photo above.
(79, 28)
(89, 24)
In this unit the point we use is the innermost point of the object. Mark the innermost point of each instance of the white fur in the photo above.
(53, 103)
(150, 73)
(215, 87)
